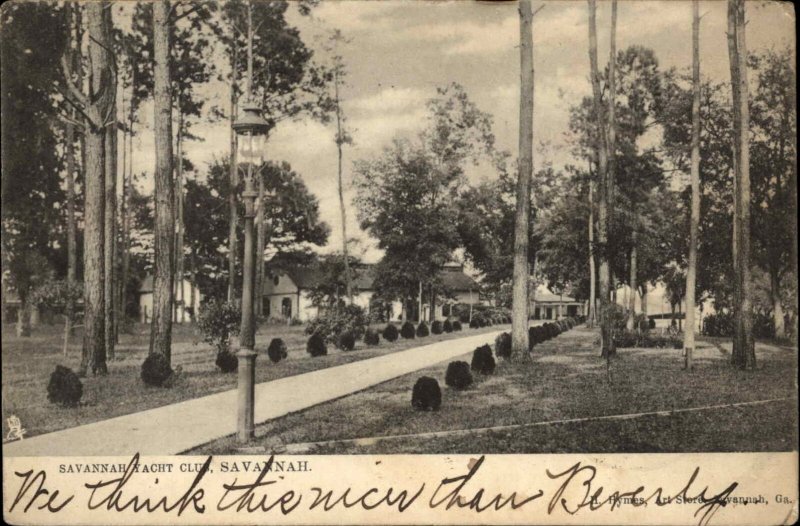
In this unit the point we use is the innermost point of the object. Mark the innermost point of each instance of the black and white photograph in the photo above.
(313, 232)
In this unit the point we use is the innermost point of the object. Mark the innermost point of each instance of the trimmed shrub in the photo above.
(408, 331)
(422, 330)
(426, 396)
(436, 327)
(227, 361)
(474, 323)
(456, 326)
(483, 360)
(371, 337)
(277, 350)
(458, 375)
(390, 333)
(219, 321)
(316, 345)
(155, 370)
(65, 388)
(336, 322)
(447, 326)
(502, 345)
(347, 341)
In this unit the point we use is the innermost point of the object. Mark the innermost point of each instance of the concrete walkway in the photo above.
(179, 427)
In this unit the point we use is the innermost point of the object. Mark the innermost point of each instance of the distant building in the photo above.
(182, 313)
(545, 305)
(286, 294)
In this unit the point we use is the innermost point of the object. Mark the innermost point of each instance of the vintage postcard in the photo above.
(399, 262)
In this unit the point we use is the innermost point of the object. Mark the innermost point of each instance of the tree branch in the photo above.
(76, 93)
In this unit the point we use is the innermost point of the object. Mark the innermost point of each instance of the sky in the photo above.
(400, 51)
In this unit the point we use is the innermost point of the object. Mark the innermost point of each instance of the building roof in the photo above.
(452, 277)
(543, 295)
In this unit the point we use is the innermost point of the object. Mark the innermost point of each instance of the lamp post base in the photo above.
(246, 388)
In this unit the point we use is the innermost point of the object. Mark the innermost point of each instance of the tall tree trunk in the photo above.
(100, 99)
(633, 286)
(127, 182)
(694, 221)
(604, 277)
(180, 300)
(792, 215)
(520, 302)
(432, 304)
(72, 244)
(192, 291)
(74, 21)
(110, 237)
(340, 138)
(777, 306)
(743, 355)
(592, 271)
(234, 183)
(161, 327)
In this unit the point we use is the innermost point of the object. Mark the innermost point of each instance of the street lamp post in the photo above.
(251, 132)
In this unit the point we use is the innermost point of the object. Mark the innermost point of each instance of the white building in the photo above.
(184, 313)
(286, 294)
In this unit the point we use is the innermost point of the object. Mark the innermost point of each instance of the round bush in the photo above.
(426, 396)
(316, 345)
(502, 345)
(277, 350)
(447, 326)
(155, 370)
(347, 341)
(390, 333)
(65, 388)
(474, 323)
(371, 337)
(483, 360)
(436, 327)
(227, 362)
(458, 375)
(422, 330)
(408, 331)
(456, 326)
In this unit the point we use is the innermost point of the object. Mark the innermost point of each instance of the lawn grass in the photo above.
(566, 379)
(28, 362)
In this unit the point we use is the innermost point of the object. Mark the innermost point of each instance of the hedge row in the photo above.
(407, 330)
(542, 333)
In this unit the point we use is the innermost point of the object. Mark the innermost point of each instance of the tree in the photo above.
(743, 355)
(694, 226)
(31, 46)
(520, 302)
(407, 197)
(292, 212)
(97, 110)
(773, 113)
(286, 81)
(601, 145)
(342, 138)
(161, 328)
(486, 227)
(190, 66)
